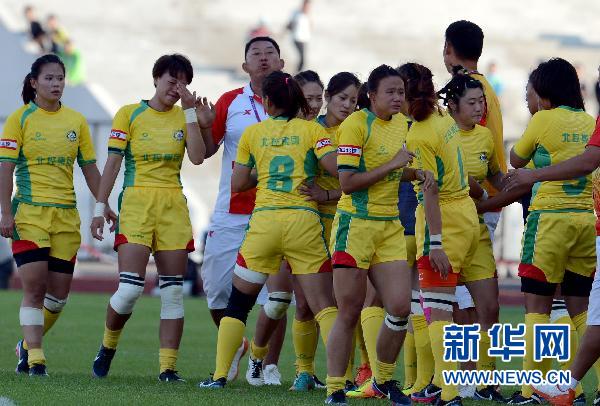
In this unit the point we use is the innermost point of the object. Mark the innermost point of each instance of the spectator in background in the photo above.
(58, 34)
(581, 75)
(36, 31)
(73, 63)
(494, 79)
(300, 28)
(6, 263)
(261, 30)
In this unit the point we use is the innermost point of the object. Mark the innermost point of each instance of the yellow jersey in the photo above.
(153, 143)
(367, 142)
(438, 148)
(480, 159)
(44, 146)
(285, 155)
(324, 178)
(553, 136)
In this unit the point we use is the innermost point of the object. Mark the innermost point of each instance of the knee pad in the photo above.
(239, 305)
(30, 316)
(277, 305)
(576, 285)
(171, 297)
(441, 301)
(464, 300)
(53, 304)
(559, 310)
(249, 275)
(530, 285)
(396, 323)
(415, 303)
(131, 287)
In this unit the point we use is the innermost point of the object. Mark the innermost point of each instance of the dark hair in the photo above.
(457, 86)
(259, 39)
(28, 92)
(466, 38)
(308, 76)
(174, 64)
(419, 90)
(363, 101)
(340, 81)
(285, 93)
(557, 81)
(378, 74)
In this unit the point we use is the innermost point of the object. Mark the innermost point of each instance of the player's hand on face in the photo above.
(188, 99)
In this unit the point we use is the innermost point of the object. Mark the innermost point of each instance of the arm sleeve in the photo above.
(527, 144)
(351, 140)
(11, 140)
(322, 144)
(119, 135)
(244, 156)
(85, 154)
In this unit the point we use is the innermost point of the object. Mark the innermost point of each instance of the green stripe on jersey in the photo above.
(529, 237)
(341, 236)
(32, 107)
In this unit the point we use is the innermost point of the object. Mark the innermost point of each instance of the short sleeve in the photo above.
(595, 140)
(424, 150)
(11, 140)
(86, 154)
(244, 156)
(220, 123)
(527, 144)
(350, 136)
(322, 144)
(119, 135)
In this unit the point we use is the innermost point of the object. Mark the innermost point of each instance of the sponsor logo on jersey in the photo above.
(352, 150)
(8, 144)
(118, 135)
(72, 136)
(483, 157)
(323, 142)
(178, 135)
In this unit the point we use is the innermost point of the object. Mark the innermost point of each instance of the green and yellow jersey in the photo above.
(553, 136)
(367, 142)
(324, 178)
(285, 154)
(153, 143)
(44, 146)
(480, 158)
(438, 148)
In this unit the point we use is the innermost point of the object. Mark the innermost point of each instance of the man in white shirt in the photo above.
(300, 27)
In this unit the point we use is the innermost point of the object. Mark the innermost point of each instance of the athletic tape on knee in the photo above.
(239, 305)
(131, 287)
(396, 323)
(30, 316)
(464, 300)
(441, 301)
(559, 310)
(171, 297)
(249, 275)
(415, 304)
(54, 304)
(277, 305)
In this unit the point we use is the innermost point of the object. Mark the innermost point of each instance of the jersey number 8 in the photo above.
(280, 172)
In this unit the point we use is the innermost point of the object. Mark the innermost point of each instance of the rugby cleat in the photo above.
(254, 374)
(272, 375)
(457, 401)
(210, 383)
(427, 395)
(235, 363)
(579, 400)
(170, 376)
(554, 395)
(364, 391)
(38, 370)
(318, 383)
(23, 357)
(363, 373)
(102, 362)
(489, 393)
(391, 391)
(337, 398)
(303, 382)
(518, 399)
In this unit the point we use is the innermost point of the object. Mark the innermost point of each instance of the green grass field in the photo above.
(71, 346)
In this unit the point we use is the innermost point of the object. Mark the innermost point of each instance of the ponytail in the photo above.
(420, 92)
(28, 92)
(285, 93)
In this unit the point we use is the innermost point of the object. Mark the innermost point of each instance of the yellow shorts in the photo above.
(411, 250)
(557, 241)
(460, 233)
(155, 217)
(295, 234)
(46, 227)
(362, 243)
(327, 220)
(483, 264)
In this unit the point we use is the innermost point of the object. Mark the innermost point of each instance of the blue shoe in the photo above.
(23, 357)
(337, 398)
(209, 383)
(303, 382)
(391, 391)
(102, 362)
(170, 376)
(38, 370)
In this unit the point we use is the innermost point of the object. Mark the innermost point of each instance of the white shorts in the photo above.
(593, 316)
(463, 298)
(220, 253)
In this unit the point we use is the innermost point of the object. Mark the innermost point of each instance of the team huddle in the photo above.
(377, 218)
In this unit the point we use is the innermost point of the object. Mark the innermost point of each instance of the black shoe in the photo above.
(579, 400)
(457, 401)
(597, 399)
(38, 370)
(337, 398)
(210, 383)
(349, 386)
(23, 357)
(518, 399)
(489, 393)
(427, 395)
(318, 383)
(391, 391)
(170, 376)
(102, 362)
